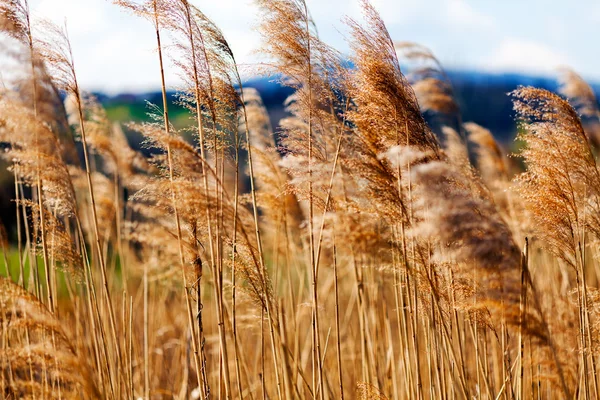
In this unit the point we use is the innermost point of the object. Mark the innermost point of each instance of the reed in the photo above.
(352, 251)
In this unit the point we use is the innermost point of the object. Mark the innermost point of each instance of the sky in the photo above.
(115, 51)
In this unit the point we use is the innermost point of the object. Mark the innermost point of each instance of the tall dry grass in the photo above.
(353, 251)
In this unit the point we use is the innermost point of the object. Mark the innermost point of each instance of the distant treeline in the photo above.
(482, 97)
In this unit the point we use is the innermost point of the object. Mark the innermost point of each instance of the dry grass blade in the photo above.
(37, 356)
(352, 243)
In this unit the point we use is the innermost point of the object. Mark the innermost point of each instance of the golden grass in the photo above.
(347, 253)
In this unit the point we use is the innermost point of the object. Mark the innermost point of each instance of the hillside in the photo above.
(482, 98)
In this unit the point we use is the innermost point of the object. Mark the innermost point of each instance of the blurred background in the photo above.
(487, 48)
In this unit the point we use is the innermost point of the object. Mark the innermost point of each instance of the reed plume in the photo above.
(312, 136)
(35, 149)
(430, 82)
(352, 243)
(579, 91)
(472, 235)
(490, 159)
(278, 205)
(558, 188)
(496, 173)
(387, 112)
(38, 358)
(561, 178)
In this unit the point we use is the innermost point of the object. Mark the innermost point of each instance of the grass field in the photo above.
(353, 251)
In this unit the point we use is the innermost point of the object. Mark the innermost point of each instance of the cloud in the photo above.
(397, 11)
(462, 14)
(517, 54)
(81, 16)
(594, 13)
(115, 51)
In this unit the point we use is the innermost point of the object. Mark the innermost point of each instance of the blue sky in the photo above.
(114, 51)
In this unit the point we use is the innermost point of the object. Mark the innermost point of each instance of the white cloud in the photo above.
(397, 11)
(521, 55)
(81, 16)
(461, 13)
(114, 50)
(594, 13)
